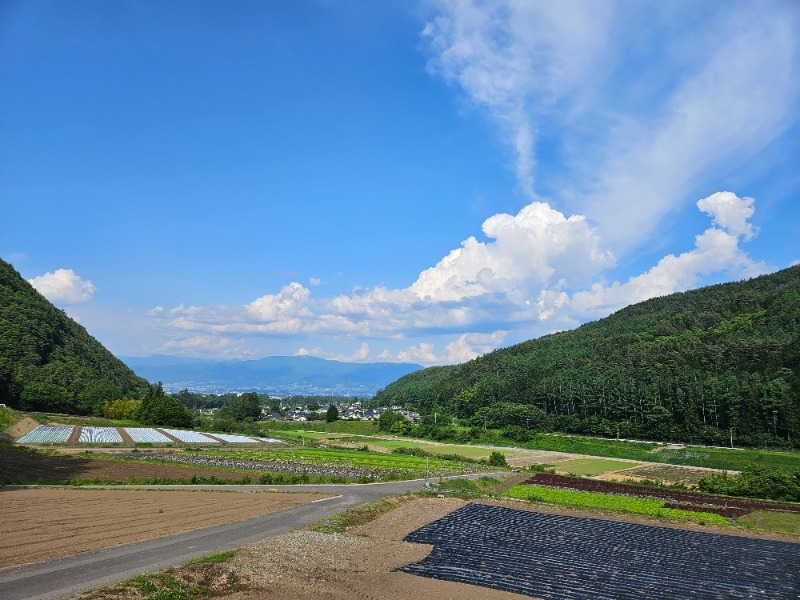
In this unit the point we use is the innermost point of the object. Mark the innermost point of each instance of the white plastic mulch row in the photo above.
(233, 439)
(46, 434)
(147, 435)
(190, 436)
(101, 435)
(270, 440)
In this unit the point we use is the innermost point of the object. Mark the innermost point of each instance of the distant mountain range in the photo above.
(279, 375)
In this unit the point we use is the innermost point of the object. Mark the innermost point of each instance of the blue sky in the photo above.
(398, 181)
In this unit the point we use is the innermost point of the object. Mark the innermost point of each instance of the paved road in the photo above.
(62, 577)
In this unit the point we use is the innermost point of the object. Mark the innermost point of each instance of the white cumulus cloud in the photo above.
(716, 250)
(64, 286)
(289, 302)
(530, 250)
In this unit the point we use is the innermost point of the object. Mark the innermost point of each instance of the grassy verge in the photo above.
(361, 515)
(727, 459)
(771, 521)
(203, 578)
(592, 466)
(470, 488)
(608, 502)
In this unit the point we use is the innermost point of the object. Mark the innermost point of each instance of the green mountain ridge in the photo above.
(697, 366)
(48, 361)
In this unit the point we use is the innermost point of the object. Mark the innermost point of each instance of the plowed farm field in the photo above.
(17, 467)
(41, 524)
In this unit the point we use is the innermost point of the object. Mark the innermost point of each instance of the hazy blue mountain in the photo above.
(274, 374)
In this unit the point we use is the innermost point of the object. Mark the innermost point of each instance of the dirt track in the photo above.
(40, 524)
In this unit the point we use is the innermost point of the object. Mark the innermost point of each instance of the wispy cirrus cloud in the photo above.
(647, 99)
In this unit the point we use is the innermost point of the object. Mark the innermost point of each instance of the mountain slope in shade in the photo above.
(274, 374)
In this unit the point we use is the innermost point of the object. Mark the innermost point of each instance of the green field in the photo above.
(622, 504)
(715, 458)
(592, 466)
(341, 426)
(297, 434)
(401, 464)
(770, 520)
(474, 452)
(727, 459)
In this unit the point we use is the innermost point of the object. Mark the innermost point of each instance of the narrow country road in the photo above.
(55, 579)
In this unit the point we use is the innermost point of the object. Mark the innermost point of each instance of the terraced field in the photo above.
(62, 434)
(100, 435)
(559, 557)
(147, 435)
(191, 437)
(48, 434)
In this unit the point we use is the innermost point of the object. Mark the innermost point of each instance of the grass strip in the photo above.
(771, 521)
(593, 466)
(205, 577)
(621, 504)
(361, 515)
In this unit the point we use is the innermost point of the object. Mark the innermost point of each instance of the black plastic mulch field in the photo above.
(552, 556)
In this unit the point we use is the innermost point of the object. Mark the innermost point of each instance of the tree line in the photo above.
(703, 366)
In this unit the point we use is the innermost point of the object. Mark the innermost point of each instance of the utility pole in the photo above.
(731, 431)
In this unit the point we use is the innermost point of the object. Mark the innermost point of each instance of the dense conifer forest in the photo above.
(702, 366)
(48, 362)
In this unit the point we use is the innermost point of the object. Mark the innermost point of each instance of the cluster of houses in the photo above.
(346, 411)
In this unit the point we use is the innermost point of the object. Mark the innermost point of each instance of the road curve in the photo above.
(55, 579)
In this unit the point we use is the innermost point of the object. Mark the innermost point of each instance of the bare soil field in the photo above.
(306, 564)
(20, 428)
(689, 476)
(361, 563)
(24, 467)
(525, 458)
(41, 524)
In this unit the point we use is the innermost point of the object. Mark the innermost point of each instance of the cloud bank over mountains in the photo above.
(533, 275)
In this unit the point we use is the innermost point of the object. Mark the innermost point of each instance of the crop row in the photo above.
(627, 504)
(349, 471)
(147, 435)
(48, 434)
(193, 437)
(349, 457)
(728, 506)
(94, 435)
(554, 556)
(51, 434)
(233, 439)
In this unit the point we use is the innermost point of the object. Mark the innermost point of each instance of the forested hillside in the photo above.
(698, 367)
(48, 361)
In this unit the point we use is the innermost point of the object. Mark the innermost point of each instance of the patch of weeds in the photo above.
(213, 559)
(203, 578)
(361, 515)
(772, 521)
(466, 487)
